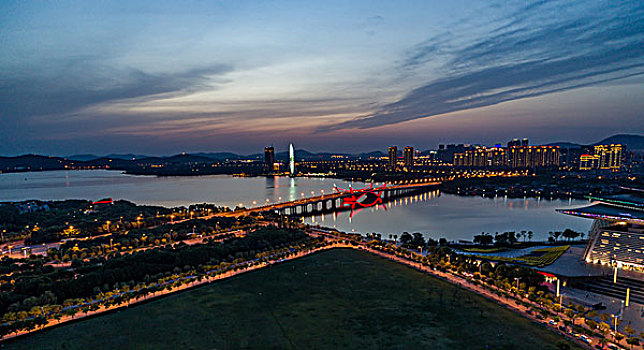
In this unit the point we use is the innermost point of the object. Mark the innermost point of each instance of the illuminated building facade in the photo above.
(588, 162)
(604, 157)
(515, 157)
(393, 157)
(409, 157)
(533, 156)
(610, 156)
(617, 235)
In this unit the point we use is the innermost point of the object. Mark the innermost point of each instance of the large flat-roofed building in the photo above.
(617, 235)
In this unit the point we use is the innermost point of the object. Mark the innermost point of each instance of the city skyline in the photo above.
(161, 78)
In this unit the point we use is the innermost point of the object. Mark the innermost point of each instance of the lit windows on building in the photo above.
(409, 157)
(610, 156)
(604, 157)
(393, 157)
(588, 162)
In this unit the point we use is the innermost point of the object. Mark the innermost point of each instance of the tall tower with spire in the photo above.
(291, 159)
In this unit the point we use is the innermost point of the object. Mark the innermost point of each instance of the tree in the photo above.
(501, 239)
(554, 235)
(512, 238)
(571, 315)
(405, 238)
(483, 239)
(418, 239)
(530, 234)
(570, 234)
(603, 341)
(633, 341)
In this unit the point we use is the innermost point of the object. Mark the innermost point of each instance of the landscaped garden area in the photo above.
(538, 257)
(337, 299)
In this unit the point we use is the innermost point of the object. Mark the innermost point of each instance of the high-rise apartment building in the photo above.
(610, 156)
(409, 157)
(533, 156)
(604, 157)
(514, 143)
(516, 157)
(393, 157)
(588, 162)
(269, 158)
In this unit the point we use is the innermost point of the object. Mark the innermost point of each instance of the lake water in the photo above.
(434, 214)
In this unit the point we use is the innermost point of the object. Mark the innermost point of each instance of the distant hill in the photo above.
(220, 155)
(631, 141)
(128, 156)
(301, 154)
(86, 157)
(565, 145)
(185, 158)
(372, 154)
(29, 162)
(82, 157)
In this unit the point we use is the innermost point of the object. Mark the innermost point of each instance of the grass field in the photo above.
(337, 299)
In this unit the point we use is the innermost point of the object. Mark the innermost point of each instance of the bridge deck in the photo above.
(321, 198)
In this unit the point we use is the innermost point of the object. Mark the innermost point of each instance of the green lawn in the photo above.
(336, 299)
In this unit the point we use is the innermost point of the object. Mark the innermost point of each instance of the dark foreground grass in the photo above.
(336, 299)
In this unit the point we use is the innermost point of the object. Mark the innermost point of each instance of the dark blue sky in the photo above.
(163, 77)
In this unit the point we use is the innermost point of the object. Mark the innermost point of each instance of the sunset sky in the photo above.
(161, 77)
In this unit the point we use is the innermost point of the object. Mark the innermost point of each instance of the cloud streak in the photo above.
(542, 48)
(63, 88)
